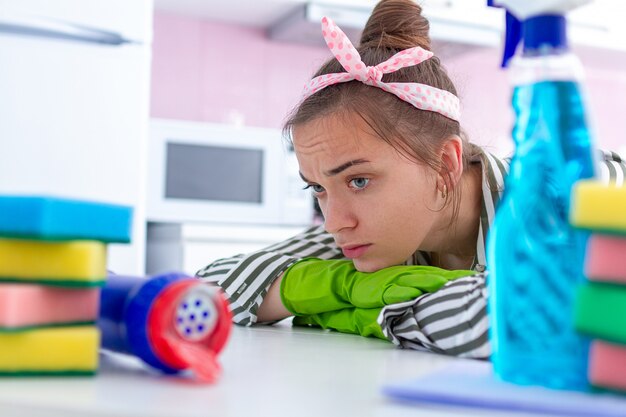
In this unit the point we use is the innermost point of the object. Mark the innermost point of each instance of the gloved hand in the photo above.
(348, 320)
(313, 286)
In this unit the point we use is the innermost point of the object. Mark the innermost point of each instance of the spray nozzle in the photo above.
(537, 22)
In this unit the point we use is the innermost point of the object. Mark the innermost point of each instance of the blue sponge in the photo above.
(51, 218)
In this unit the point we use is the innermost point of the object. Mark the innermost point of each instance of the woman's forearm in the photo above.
(272, 308)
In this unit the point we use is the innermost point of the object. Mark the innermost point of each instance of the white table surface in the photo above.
(272, 371)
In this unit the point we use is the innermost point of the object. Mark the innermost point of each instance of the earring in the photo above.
(444, 191)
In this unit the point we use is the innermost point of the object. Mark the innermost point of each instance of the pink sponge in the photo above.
(31, 305)
(606, 258)
(607, 365)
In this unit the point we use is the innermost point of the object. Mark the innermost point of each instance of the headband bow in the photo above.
(422, 96)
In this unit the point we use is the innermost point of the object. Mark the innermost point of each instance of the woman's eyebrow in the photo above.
(345, 166)
(339, 169)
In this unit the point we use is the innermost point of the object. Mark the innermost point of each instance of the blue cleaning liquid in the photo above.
(536, 257)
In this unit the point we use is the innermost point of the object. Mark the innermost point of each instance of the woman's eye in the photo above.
(317, 189)
(359, 183)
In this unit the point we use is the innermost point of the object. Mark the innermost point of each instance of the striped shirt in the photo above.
(452, 320)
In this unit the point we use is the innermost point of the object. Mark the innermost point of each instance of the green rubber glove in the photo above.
(313, 286)
(348, 320)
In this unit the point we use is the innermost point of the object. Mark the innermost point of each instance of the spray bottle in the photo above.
(535, 257)
(172, 322)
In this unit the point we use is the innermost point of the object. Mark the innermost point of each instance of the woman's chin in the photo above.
(370, 265)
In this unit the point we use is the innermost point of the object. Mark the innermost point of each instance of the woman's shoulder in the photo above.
(610, 156)
(494, 168)
(493, 161)
(611, 167)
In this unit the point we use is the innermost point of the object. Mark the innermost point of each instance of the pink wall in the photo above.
(216, 72)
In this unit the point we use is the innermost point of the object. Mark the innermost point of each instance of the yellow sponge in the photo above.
(599, 207)
(60, 351)
(75, 263)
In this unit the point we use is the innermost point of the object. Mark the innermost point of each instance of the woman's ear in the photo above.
(451, 163)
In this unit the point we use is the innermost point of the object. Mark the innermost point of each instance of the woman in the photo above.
(397, 183)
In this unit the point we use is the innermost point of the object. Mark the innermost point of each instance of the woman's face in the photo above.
(379, 206)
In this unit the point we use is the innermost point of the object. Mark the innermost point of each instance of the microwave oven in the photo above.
(204, 172)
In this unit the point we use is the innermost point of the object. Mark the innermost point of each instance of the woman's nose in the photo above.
(337, 215)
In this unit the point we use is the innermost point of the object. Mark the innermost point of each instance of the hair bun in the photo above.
(396, 24)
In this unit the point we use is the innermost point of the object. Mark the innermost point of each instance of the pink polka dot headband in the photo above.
(422, 96)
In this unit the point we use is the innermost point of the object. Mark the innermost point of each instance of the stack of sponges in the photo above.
(601, 302)
(52, 265)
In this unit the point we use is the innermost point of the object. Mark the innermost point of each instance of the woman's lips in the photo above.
(353, 252)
